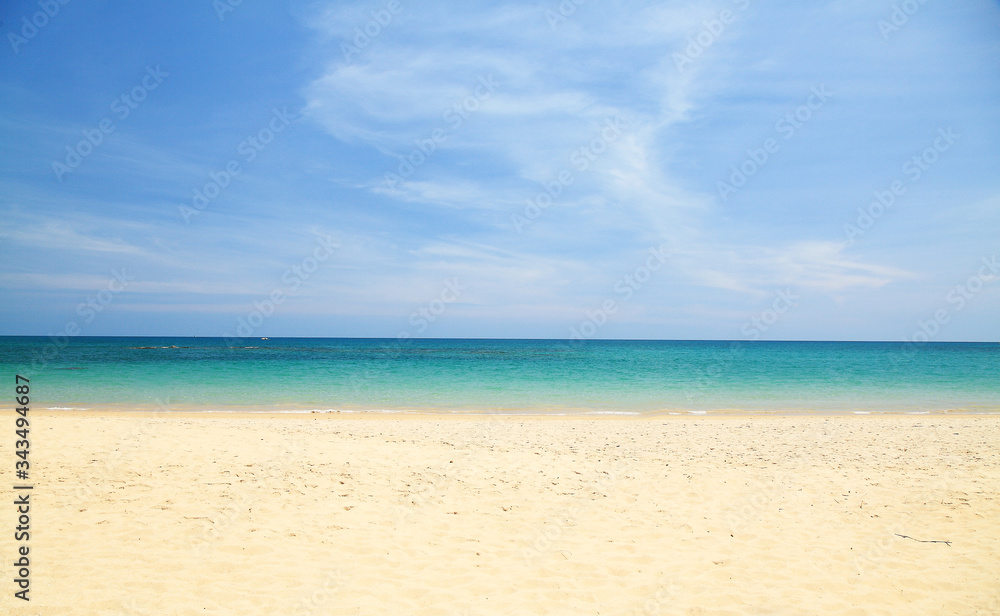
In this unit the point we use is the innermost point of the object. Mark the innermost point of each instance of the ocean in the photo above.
(592, 377)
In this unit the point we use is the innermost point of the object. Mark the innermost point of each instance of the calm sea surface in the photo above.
(519, 376)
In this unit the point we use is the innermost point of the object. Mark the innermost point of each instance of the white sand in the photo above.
(235, 514)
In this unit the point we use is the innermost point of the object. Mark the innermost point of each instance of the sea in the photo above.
(553, 377)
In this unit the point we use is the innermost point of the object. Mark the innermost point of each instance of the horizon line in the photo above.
(496, 339)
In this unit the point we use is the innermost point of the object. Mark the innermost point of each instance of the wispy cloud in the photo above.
(534, 152)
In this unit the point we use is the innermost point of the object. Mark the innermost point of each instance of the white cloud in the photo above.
(818, 266)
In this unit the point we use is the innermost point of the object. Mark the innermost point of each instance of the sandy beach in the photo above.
(141, 514)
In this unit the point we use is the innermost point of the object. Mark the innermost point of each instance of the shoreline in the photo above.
(262, 411)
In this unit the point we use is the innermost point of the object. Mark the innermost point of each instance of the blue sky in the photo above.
(644, 170)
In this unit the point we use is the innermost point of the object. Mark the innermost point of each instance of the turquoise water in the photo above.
(551, 376)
